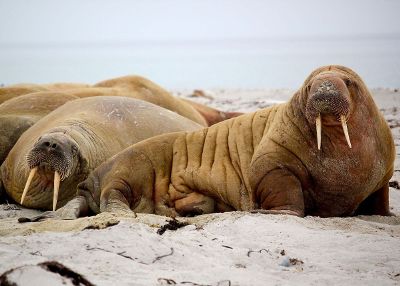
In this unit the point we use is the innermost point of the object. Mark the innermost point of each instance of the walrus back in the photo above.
(147, 90)
(215, 160)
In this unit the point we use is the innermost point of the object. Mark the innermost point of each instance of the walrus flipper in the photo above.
(115, 202)
(280, 192)
(75, 208)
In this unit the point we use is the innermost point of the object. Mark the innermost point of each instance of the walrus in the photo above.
(327, 152)
(12, 91)
(20, 113)
(129, 86)
(63, 147)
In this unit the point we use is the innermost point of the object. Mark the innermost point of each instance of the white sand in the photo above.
(219, 249)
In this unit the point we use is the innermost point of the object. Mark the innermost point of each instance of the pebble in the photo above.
(285, 261)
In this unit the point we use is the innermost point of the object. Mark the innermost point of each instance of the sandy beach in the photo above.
(235, 248)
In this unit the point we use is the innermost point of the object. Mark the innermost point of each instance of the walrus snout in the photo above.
(55, 152)
(328, 96)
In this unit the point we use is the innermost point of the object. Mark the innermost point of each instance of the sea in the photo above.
(206, 64)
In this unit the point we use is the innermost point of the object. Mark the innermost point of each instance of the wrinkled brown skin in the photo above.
(265, 160)
(20, 113)
(100, 126)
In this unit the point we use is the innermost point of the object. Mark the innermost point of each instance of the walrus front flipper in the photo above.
(279, 192)
(74, 209)
(115, 202)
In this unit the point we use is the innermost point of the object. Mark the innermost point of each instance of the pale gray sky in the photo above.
(203, 43)
(43, 21)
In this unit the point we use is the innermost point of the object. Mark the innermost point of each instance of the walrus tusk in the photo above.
(318, 125)
(56, 188)
(28, 182)
(346, 132)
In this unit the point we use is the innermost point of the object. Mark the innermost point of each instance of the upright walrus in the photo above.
(68, 143)
(271, 160)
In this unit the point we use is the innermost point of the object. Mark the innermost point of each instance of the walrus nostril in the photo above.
(48, 144)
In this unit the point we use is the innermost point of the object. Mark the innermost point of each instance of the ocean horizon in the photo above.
(219, 63)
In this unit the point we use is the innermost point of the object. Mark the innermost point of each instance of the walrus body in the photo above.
(74, 139)
(293, 158)
(20, 113)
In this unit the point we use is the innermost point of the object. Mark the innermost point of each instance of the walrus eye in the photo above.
(74, 149)
(348, 82)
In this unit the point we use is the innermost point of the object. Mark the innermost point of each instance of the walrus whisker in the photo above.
(319, 128)
(345, 130)
(56, 188)
(28, 182)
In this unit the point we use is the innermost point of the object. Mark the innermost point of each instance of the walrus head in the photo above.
(329, 102)
(54, 154)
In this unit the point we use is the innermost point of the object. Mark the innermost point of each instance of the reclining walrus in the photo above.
(68, 143)
(327, 152)
(129, 86)
(144, 89)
